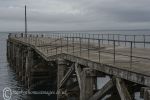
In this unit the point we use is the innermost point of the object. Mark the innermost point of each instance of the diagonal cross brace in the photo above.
(102, 91)
(67, 76)
(122, 90)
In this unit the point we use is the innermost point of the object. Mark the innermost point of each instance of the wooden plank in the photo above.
(61, 70)
(67, 75)
(98, 95)
(86, 90)
(147, 95)
(122, 89)
(121, 60)
(60, 74)
(78, 73)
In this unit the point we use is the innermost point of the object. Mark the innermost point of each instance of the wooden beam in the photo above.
(147, 95)
(78, 73)
(122, 90)
(102, 91)
(86, 84)
(67, 76)
(60, 74)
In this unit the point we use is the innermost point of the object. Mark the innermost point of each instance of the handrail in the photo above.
(87, 40)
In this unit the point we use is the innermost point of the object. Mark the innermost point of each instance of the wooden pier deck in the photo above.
(109, 56)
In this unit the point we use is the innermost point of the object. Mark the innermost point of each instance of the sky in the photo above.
(59, 15)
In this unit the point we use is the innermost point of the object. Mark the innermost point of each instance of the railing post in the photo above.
(76, 37)
(99, 45)
(42, 35)
(98, 36)
(131, 54)
(118, 39)
(114, 52)
(9, 36)
(144, 40)
(93, 38)
(113, 37)
(88, 48)
(125, 39)
(80, 46)
(56, 46)
(108, 39)
(61, 43)
(102, 38)
(134, 41)
(21, 35)
(73, 44)
(67, 44)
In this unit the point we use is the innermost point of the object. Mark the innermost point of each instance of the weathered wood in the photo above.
(78, 73)
(60, 74)
(51, 49)
(98, 95)
(67, 75)
(147, 94)
(28, 67)
(122, 89)
(86, 90)
(142, 91)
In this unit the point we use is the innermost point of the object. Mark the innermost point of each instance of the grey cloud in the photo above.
(131, 16)
(75, 14)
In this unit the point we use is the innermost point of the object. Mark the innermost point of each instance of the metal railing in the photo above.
(88, 45)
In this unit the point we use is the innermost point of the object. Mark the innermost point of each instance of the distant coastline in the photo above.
(80, 30)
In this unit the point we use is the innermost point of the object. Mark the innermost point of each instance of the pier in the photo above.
(73, 62)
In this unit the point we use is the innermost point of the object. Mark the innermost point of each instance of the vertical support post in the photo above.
(80, 46)
(99, 51)
(56, 47)
(23, 66)
(87, 82)
(114, 52)
(125, 39)
(131, 54)
(73, 44)
(98, 36)
(61, 43)
(25, 20)
(108, 38)
(113, 37)
(61, 64)
(134, 40)
(102, 38)
(93, 38)
(144, 40)
(118, 39)
(28, 67)
(88, 48)
(67, 44)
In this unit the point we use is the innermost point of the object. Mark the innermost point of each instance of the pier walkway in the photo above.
(125, 60)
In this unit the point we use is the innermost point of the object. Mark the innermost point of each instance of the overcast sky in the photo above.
(54, 15)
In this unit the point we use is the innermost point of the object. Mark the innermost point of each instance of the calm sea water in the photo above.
(9, 79)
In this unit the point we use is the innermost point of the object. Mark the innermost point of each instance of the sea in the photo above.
(10, 82)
